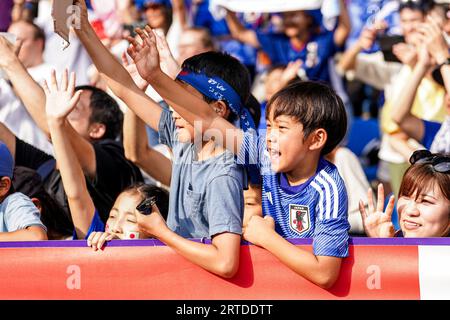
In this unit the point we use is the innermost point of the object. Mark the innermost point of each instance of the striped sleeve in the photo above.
(249, 152)
(332, 226)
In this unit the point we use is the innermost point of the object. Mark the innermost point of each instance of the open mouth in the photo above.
(274, 153)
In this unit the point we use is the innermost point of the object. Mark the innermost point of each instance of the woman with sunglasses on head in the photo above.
(423, 205)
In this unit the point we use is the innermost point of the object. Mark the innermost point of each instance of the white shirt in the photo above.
(74, 58)
(16, 117)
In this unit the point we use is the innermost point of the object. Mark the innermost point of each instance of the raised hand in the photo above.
(378, 224)
(290, 72)
(145, 55)
(81, 4)
(132, 70)
(8, 52)
(60, 101)
(406, 53)
(434, 40)
(168, 63)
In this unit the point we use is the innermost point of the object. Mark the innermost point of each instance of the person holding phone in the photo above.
(374, 70)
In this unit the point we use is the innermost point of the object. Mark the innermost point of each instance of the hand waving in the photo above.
(145, 55)
(132, 70)
(168, 63)
(60, 101)
(378, 224)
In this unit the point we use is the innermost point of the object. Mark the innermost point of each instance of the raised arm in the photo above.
(438, 49)
(33, 98)
(135, 137)
(60, 102)
(115, 74)
(344, 25)
(402, 104)
(28, 90)
(365, 41)
(192, 108)
(239, 32)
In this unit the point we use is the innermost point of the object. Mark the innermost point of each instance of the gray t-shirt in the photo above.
(18, 212)
(206, 197)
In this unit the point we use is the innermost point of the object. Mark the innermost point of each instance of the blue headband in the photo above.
(6, 161)
(218, 89)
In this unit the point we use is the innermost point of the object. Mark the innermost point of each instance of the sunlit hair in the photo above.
(422, 177)
(315, 105)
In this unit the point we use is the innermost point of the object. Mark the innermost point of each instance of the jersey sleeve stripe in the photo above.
(335, 194)
(328, 196)
(319, 190)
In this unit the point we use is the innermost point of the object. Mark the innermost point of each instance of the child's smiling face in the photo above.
(122, 217)
(285, 142)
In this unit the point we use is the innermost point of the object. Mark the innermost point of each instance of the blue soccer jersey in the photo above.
(316, 209)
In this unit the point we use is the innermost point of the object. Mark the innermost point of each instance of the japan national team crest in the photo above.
(299, 221)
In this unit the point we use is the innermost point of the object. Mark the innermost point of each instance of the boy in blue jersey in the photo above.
(303, 194)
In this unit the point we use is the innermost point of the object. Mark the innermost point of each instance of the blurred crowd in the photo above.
(102, 153)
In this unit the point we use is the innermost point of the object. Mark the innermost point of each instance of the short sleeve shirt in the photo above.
(18, 212)
(97, 225)
(314, 55)
(206, 197)
(315, 209)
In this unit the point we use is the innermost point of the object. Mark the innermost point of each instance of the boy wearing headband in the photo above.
(19, 217)
(206, 196)
(303, 194)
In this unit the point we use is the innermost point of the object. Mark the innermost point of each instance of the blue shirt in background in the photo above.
(430, 130)
(315, 54)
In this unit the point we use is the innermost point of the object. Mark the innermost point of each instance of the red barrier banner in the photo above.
(145, 269)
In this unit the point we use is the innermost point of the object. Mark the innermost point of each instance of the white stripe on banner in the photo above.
(434, 272)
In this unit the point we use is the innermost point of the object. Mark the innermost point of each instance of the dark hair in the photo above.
(420, 177)
(423, 6)
(224, 66)
(314, 105)
(146, 191)
(254, 107)
(29, 182)
(105, 110)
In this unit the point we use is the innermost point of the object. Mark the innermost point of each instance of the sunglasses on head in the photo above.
(439, 163)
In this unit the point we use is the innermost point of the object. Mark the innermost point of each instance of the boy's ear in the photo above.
(221, 109)
(318, 138)
(5, 185)
(97, 130)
